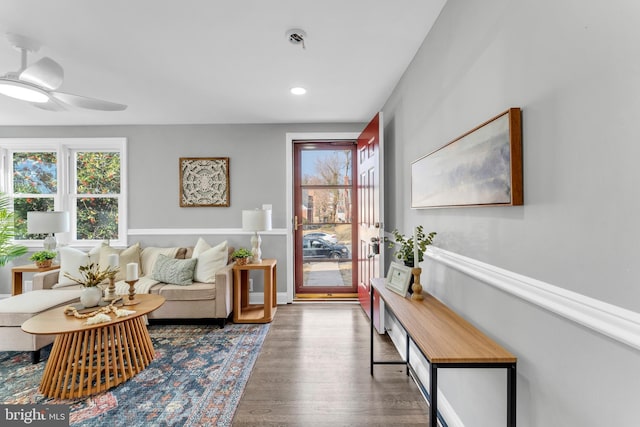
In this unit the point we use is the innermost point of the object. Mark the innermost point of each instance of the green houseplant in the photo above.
(241, 255)
(405, 248)
(8, 250)
(43, 259)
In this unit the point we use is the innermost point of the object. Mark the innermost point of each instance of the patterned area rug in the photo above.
(197, 379)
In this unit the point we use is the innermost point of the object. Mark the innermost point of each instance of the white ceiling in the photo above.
(217, 61)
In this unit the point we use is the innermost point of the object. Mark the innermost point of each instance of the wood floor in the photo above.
(313, 370)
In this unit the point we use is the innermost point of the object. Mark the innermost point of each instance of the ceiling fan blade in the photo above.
(84, 102)
(45, 72)
(51, 105)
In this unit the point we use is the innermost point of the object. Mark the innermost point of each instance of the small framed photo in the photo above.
(398, 278)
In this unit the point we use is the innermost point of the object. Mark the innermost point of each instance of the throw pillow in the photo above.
(210, 260)
(71, 260)
(149, 255)
(173, 271)
(126, 256)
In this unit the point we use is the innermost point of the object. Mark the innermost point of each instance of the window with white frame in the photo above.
(83, 176)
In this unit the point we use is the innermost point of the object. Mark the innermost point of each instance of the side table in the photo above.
(243, 312)
(16, 281)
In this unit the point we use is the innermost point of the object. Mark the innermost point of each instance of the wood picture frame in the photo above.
(483, 167)
(204, 182)
(398, 278)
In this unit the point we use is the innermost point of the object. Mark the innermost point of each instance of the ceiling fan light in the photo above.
(23, 91)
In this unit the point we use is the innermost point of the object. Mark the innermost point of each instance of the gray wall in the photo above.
(574, 69)
(257, 176)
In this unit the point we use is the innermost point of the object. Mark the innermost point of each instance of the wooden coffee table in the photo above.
(88, 359)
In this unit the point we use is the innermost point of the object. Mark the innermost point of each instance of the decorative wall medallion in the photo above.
(204, 181)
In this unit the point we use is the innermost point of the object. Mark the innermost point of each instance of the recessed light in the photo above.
(298, 90)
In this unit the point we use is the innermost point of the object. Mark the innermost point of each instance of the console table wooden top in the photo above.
(441, 334)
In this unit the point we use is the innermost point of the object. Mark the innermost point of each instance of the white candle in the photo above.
(132, 272)
(114, 261)
(416, 254)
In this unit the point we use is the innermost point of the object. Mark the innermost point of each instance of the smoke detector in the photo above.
(296, 36)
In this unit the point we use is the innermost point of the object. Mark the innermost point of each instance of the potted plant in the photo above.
(405, 247)
(43, 259)
(241, 256)
(8, 250)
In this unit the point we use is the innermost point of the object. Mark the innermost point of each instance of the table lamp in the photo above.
(256, 220)
(48, 223)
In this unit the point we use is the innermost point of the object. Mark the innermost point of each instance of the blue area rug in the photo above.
(196, 379)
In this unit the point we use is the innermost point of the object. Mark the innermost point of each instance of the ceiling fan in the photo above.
(37, 83)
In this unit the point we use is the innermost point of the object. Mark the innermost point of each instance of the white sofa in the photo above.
(16, 310)
(209, 299)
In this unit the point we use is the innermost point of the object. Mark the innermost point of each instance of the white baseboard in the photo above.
(258, 298)
(3, 296)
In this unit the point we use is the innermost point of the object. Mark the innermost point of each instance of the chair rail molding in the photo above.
(610, 320)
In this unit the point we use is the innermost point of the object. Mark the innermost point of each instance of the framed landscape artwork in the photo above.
(204, 181)
(483, 167)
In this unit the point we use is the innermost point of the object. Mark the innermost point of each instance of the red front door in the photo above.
(370, 214)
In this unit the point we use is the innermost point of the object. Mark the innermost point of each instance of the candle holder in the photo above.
(416, 287)
(131, 300)
(110, 292)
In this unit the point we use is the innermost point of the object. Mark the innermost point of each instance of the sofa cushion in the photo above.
(125, 256)
(149, 255)
(71, 260)
(16, 310)
(173, 271)
(210, 260)
(194, 292)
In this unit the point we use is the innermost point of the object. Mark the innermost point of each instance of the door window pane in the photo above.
(326, 205)
(326, 255)
(322, 167)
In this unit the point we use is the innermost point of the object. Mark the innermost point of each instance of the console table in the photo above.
(446, 340)
(243, 312)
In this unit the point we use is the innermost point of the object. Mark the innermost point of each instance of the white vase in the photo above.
(90, 297)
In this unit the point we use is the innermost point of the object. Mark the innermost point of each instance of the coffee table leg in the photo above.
(87, 362)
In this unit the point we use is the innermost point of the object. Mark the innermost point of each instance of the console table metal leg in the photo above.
(433, 393)
(511, 396)
(407, 354)
(371, 325)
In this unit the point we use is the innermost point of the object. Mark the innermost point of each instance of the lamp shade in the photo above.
(47, 222)
(256, 220)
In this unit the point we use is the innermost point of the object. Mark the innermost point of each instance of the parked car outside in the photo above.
(313, 248)
(331, 238)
